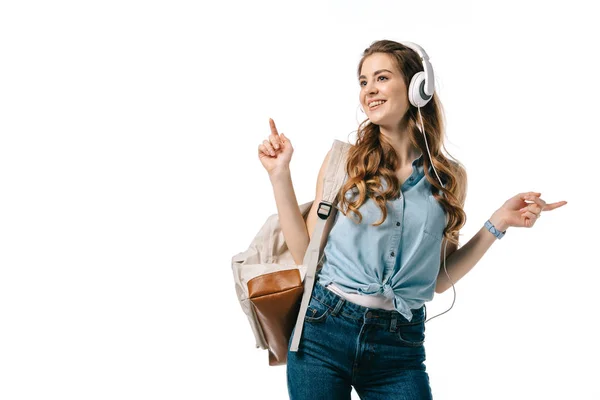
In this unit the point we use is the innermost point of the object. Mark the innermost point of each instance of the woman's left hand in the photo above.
(518, 213)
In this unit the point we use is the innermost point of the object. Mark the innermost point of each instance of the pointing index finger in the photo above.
(553, 206)
(273, 128)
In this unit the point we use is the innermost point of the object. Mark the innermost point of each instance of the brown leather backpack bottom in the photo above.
(276, 299)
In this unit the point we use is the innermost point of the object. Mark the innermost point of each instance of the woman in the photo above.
(403, 199)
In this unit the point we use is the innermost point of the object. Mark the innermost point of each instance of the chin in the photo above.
(376, 119)
(381, 121)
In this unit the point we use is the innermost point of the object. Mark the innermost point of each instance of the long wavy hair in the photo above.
(373, 157)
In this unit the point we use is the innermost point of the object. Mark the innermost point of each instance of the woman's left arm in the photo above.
(515, 212)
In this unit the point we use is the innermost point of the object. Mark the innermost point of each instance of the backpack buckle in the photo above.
(324, 210)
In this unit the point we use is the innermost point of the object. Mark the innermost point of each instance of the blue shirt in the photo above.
(400, 258)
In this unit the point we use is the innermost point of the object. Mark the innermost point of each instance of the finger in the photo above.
(536, 199)
(552, 206)
(529, 214)
(531, 196)
(269, 148)
(274, 138)
(534, 208)
(528, 218)
(529, 222)
(523, 196)
(263, 151)
(273, 127)
(275, 141)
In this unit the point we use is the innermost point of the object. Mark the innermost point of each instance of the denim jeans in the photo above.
(344, 345)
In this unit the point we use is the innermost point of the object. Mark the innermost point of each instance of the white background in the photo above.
(129, 177)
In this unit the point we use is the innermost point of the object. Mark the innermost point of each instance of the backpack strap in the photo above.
(335, 176)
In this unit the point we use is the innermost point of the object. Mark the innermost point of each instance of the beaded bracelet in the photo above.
(490, 227)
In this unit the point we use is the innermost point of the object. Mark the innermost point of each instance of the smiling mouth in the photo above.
(377, 104)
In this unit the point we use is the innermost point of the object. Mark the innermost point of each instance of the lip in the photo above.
(374, 100)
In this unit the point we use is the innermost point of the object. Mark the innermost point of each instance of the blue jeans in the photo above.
(344, 345)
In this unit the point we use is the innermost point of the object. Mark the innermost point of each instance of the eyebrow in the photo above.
(375, 73)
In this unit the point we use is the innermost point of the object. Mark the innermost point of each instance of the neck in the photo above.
(400, 141)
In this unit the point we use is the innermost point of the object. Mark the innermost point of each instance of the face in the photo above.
(380, 80)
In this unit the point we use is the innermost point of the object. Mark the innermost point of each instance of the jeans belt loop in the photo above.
(393, 324)
(338, 306)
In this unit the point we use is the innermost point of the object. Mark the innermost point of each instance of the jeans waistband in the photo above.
(351, 310)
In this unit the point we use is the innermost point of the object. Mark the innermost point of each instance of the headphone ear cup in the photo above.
(416, 91)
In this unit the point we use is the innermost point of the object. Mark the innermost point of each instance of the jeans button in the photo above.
(369, 314)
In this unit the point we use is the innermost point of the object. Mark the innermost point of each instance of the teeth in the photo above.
(376, 103)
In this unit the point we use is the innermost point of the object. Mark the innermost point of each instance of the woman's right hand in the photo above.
(275, 153)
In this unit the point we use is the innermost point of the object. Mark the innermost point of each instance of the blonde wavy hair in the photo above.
(373, 157)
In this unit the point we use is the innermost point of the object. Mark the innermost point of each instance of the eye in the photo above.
(380, 76)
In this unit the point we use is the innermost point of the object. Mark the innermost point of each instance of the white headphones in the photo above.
(422, 84)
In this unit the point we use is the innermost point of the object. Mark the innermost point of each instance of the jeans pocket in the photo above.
(316, 311)
(412, 335)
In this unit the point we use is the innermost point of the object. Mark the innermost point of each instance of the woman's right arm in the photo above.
(275, 154)
(296, 232)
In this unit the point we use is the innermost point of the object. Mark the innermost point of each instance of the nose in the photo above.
(370, 87)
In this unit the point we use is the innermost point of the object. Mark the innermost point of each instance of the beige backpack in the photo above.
(269, 284)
